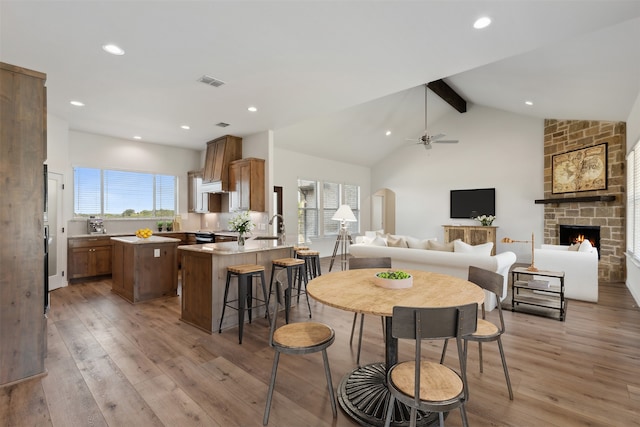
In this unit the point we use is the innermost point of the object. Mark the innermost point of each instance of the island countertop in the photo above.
(138, 241)
(232, 248)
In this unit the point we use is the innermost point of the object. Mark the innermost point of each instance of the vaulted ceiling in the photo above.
(324, 76)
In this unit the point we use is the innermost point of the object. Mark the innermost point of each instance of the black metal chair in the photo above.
(357, 263)
(297, 338)
(487, 331)
(424, 385)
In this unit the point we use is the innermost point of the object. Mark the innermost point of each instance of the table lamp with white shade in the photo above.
(344, 214)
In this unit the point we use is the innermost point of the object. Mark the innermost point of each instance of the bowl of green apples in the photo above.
(391, 279)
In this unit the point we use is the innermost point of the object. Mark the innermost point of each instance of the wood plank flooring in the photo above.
(111, 363)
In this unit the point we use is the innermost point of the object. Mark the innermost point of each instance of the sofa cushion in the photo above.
(585, 246)
(574, 247)
(483, 249)
(415, 243)
(437, 246)
(395, 241)
(378, 241)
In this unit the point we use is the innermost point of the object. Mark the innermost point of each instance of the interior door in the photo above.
(56, 243)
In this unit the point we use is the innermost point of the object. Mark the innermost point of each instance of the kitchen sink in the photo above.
(265, 238)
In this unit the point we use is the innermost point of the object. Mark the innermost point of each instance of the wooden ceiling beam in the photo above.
(444, 91)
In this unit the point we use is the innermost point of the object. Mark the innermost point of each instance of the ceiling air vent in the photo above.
(210, 81)
(222, 124)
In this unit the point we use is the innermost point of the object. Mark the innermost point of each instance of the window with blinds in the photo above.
(122, 194)
(633, 202)
(307, 210)
(314, 205)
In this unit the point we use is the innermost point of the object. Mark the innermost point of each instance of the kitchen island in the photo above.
(204, 273)
(144, 269)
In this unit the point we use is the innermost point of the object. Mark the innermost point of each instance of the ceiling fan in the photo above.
(427, 139)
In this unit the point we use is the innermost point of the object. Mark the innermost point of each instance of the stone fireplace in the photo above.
(604, 209)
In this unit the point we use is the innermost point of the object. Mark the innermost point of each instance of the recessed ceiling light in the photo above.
(185, 127)
(481, 23)
(388, 133)
(528, 102)
(77, 103)
(113, 49)
(137, 137)
(252, 109)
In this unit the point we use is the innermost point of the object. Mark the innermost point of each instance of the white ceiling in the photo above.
(329, 77)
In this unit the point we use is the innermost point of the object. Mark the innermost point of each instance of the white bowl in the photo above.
(394, 283)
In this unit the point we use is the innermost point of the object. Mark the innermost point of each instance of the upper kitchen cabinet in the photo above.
(199, 200)
(247, 185)
(221, 152)
(23, 343)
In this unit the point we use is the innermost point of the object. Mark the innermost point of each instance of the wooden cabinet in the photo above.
(471, 234)
(88, 257)
(23, 344)
(247, 185)
(198, 200)
(221, 152)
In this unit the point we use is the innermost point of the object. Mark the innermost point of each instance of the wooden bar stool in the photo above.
(312, 260)
(296, 270)
(245, 274)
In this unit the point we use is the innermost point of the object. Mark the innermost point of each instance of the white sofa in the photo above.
(580, 269)
(452, 263)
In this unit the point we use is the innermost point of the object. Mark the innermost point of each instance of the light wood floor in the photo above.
(116, 364)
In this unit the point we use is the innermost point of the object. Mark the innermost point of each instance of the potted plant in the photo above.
(168, 225)
(160, 224)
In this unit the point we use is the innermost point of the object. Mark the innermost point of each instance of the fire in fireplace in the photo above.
(570, 234)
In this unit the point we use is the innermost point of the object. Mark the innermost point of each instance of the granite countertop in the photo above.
(149, 240)
(231, 248)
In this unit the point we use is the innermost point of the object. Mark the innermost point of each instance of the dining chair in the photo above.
(421, 384)
(357, 263)
(297, 338)
(488, 331)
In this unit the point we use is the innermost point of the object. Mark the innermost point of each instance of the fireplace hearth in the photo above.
(570, 234)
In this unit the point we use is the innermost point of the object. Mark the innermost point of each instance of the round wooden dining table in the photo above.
(363, 392)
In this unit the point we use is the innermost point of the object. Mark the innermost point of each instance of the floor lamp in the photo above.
(344, 214)
(532, 267)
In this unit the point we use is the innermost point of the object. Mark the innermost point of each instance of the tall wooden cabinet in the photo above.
(22, 274)
(471, 234)
(246, 189)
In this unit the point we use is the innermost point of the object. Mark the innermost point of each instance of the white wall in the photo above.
(289, 166)
(497, 149)
(633, 136)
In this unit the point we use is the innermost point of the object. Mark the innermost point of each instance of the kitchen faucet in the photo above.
(281, 235)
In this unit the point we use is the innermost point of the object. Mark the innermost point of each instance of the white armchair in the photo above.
(580, 268)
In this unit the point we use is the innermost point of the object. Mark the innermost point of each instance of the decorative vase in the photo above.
(241, 241)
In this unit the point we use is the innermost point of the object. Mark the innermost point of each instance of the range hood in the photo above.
(212, 187)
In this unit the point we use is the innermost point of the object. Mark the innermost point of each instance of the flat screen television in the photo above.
(473, 203)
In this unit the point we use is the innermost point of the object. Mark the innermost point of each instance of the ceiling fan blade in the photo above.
(438, 136)
(447, 141)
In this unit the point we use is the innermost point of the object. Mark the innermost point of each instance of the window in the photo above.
(312, 206)
(122, 194)
(633, 202)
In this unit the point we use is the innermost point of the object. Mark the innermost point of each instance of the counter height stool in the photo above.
(312, 261)
(296, 270)
(245, 274)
